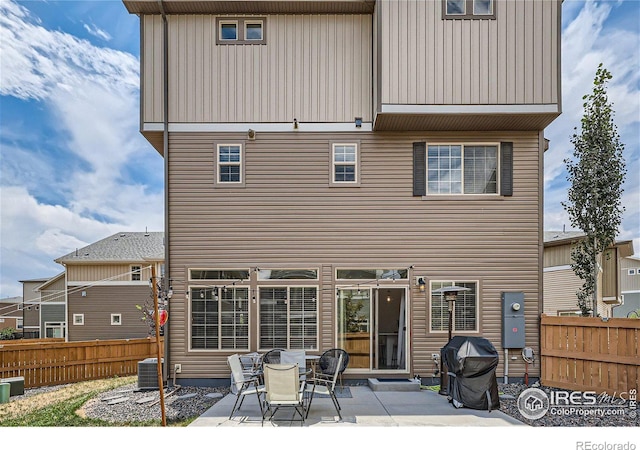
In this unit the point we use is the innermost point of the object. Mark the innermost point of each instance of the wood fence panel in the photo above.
(590, 354)
(46, 362)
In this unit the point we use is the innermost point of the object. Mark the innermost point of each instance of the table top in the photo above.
(311, 357)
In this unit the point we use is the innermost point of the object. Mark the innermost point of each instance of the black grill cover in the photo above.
(471, 363)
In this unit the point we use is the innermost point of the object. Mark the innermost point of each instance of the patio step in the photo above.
(389, 384)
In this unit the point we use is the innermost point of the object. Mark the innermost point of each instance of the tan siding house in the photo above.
(561, 283)
(630, 288)
(104, 283)
(329, 164)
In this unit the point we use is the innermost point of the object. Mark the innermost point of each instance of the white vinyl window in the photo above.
(462, 169)
(78, 319)
(465, 308)
(468, 9)
(54, 329)
(228, 30)
(229, 158)
(253, 30)
(116, 319)
(241, 30)
(136, 273)
(219, 318)
(344, 164)
(632, 272)
(288, 317)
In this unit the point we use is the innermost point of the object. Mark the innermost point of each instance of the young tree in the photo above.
(596, 174)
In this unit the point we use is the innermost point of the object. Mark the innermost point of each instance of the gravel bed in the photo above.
(133, 405)
(509, 406)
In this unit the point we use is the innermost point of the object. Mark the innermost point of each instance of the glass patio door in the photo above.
(355, 326)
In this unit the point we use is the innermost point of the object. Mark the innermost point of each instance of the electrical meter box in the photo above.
(513, 320)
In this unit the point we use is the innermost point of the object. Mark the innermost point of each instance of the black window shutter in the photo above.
(506, 172)
(419, 168)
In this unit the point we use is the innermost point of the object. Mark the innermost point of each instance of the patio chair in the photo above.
(283, 389)
(328, 360)
(244, 384)
(272, 356)
(296, 357)
(325, 384)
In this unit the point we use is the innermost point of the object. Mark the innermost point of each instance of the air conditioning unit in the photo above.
(148, 374)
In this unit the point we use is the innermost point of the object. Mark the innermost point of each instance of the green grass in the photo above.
(63, 414)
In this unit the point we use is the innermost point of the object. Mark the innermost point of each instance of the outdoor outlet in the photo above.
(177, 368)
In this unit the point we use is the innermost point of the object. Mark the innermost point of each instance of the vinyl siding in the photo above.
(430, 61)
(287, 215)
(97, 307)
(629, 282)
(107, 272)
(560, 289)
(315, 68)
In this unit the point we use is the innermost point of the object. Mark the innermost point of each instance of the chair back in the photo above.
(237, 374)
(328, 360)
(336, 370)
(294, 357)
(272, 356)
(281, 383)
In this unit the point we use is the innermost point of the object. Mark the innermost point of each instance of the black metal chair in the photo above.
(327, 363)
(272, 356)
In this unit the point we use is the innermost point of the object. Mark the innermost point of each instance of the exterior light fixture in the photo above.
(421, 284)
(358, 122)
(388, 296)
(251, 134)
(295, 124)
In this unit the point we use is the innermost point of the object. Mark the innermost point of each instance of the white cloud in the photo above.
(97, 32)
(586, 42)
(92, 94)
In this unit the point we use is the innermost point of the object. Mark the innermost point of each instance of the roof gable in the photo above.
(120, 247)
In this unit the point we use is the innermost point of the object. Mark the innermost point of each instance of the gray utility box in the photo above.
(513, 320)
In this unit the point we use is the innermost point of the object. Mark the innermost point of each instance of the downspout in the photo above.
(165, 153)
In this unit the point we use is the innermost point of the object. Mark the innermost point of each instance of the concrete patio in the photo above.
(365, 407)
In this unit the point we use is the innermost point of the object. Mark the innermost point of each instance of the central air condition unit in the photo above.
(148, 374)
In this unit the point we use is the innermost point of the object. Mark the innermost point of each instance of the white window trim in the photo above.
(477, 307)
(119, 316)
(333, 163)
(78, 319)
(54, 325)
(240, 164)
(253, 22)
(133, 271)
(228, 22)
(219, 284)
(631, 272)
(288, 287)
(463, 145)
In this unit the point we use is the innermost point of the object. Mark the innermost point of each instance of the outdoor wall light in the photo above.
(295, 124)
(251, 134)
(421, 284)
(358, 122)
(84, 293)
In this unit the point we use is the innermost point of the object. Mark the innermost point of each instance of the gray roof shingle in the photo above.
(120, 247)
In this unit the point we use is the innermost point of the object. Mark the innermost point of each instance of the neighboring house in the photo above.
(104, 283)
(32, 326)
(330, 163)
(630, 287)
(11, 313)
(561, 283)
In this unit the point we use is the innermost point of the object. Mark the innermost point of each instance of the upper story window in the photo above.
(229, 161)
(241, 30)
(468, 9)
(344, 164)
(136, 273)
(462, 169)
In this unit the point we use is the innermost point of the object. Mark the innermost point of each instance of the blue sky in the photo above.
(74, 168)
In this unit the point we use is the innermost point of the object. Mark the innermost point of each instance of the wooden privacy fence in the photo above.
(590, 354)
(47, 362)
